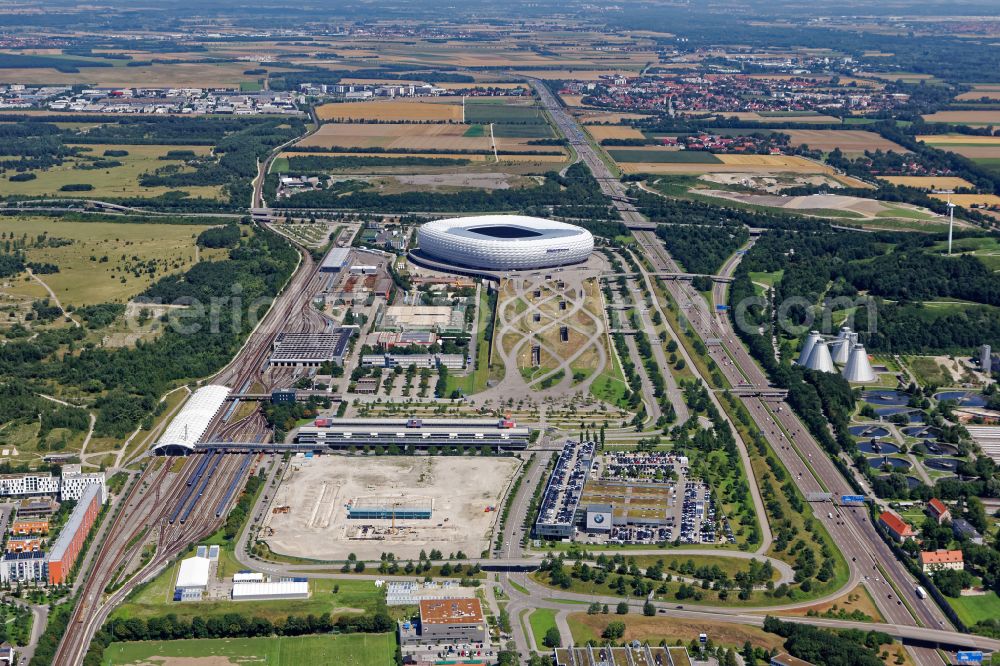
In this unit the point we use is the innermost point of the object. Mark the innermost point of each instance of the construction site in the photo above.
(330, 506)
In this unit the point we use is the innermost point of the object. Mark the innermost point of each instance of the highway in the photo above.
(870, 560)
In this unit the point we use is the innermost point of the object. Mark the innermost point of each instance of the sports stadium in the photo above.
(504, 242)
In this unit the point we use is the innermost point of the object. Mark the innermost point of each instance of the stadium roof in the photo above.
(194, 418)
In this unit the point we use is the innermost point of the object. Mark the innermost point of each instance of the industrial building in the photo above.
(504, 242)
(440, 318)
(71, 538)
(192, 578)
(187, 428)
(446, 621)
(310, 350)
(557, 514)
(296, 588)
(338, 434)
(335, 260)
(390, 508)
(450, 361)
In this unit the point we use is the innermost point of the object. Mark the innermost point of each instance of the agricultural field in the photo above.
(105, 261)
(601, 132)
(969, 200)
(311, 650)
(965, 117)
(849, 141)
(414, 138)
(442, 110)
(666, 161)
(928, 182)
(116, 181)
(199, 75)
(989, 91)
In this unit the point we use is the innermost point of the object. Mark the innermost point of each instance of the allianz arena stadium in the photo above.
(504, 242)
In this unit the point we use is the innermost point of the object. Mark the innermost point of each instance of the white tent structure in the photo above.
(859, 368)
(807, 347)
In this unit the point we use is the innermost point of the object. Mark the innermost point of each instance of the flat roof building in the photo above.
(28, 484)
(73, 535)
(338, 434)
(310, 350)
(335, 260)
(193, 573)
(450, 621)
(285, 589)
(24, 567)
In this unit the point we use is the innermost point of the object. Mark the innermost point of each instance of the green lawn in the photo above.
(541, 620)
(973, 609)
(155, 598)
(343, 650)
(770, 279)
(908, 213)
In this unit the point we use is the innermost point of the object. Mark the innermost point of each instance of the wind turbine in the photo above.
(951, 222)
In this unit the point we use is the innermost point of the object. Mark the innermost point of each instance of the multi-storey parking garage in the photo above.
(504, 242)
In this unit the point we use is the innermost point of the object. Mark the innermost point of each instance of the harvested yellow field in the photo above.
(803, 166)
(775, 162)
(572, 100)
(978, 94)
(601, 132)
(969, 200)
(576, 74)
(392, 110)
(483, 84)
(849, 141)
(181, 75)
(928, 182)
(965, 117)
(589, 118)
(456, 156)
(945, 139)
(391, 136)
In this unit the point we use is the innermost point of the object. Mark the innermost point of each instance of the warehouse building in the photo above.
(450, 361)
(339, 434)
(390, 508)
(296, 588)
(67, 546)
(310, 350)
(335, 260)
(192, 578)
(446, 621)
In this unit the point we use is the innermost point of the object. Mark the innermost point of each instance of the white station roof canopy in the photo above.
(194, 418)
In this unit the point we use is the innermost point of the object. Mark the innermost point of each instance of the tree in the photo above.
(622, 608)
(648, 609)
(552, 638)
(614, 631)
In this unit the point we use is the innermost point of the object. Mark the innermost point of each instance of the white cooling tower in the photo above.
(807, 347)
(819, 358)
(859, 368)
(840, 349)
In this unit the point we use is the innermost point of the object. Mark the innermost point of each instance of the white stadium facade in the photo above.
(504, 242)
